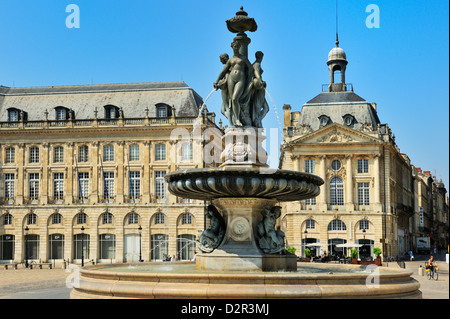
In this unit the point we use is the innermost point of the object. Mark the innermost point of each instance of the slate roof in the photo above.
(133, 98)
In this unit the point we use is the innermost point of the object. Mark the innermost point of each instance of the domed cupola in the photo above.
(337, 62)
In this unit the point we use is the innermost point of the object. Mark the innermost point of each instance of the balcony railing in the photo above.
(57, 124)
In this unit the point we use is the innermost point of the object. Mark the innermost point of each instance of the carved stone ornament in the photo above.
(335, 137)
(213, 236)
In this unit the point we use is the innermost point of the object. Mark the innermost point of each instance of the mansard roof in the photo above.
(133, 98)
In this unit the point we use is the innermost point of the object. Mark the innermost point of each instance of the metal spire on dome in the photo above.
(337, 38)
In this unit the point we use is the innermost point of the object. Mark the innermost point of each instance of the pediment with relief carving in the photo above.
(335, 133)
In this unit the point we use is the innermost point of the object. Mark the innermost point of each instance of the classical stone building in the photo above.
(82, 168)
(367, 195)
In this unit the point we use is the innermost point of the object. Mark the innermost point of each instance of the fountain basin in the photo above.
(182, 280)
(243, 181)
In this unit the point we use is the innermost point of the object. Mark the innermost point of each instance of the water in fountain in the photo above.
(276, 113)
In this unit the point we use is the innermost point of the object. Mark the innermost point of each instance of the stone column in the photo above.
(69, 189)
(376, 181)
(146, 173)
(322, 198)
(19, 176)
(94, 192)
(120, 173)
(349, 206)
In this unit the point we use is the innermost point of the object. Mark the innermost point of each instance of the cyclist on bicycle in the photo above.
(431, 264)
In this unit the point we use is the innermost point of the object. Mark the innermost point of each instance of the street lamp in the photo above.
(140, 243)
(26, 246)
(364, 233)
(82, 246)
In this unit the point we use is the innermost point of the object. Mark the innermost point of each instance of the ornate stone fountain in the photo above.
(243, 191)
(242, 252)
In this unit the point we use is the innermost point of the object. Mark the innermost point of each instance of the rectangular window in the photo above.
(83, 192)
(9, 186)
(108, 191)
(160, 152)
(186, 152)
(310, 202)
(58, 186)
(134, 152)
(363, 166)
(160, 185)
(83, 152)
(10, 155)
(108, 153)
(58, 154)
(363, 194)
(310, 166)
(34, 154)
(336, 192)
(33, 182)
(135, 185)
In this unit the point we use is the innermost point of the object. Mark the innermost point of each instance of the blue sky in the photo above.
(403, 65)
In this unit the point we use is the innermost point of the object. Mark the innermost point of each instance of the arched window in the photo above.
(61, 113)
(107, 218)
(133, 218)
(186, 218)
(31, 219)
(336, 191)
(337, 225)
(159, 218)
(7, 219)
(81, 218)
(111, 112)
(56, 218)
(163, 110)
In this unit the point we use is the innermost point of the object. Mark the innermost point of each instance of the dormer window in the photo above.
(62, 113)
(348, 120)
(13, 115)
(111, 112)
(163, 110)
(324, 120)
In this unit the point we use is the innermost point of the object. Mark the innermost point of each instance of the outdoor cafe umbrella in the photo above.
(349, 245)
(315, 245)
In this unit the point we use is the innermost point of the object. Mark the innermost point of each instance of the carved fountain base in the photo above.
(239, 250)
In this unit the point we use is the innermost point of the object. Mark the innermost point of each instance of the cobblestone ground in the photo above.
(15, 282)
(51, 283)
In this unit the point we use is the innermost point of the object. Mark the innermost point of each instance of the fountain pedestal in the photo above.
(239, 249)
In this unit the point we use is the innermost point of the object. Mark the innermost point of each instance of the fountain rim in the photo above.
(96, 271)
(243, 171)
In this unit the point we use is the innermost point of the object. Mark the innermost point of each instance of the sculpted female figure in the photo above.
(240, 71)
(259, 103)
(223, 85)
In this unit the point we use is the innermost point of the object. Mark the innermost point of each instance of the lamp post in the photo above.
(140, 243)
(26, 246)
(82, 246)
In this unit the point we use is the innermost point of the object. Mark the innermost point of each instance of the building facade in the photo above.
(370, 195)
(82, 172)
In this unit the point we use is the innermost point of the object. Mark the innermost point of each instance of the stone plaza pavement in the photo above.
(51, 283)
